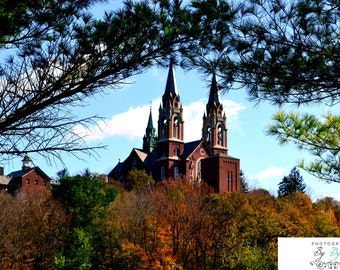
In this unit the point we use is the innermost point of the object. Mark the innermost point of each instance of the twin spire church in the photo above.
(165, 155)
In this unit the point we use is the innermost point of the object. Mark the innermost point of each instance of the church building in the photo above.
(165, 155)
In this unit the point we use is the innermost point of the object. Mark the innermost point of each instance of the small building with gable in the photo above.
(27, 178)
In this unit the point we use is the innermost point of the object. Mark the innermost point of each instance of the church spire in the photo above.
(170, 87)
(170, 146)
(170, 123)
(214, 130)
(149, 139)
(214, 95)
(150, 122)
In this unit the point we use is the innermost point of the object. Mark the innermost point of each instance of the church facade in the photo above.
(165, 155)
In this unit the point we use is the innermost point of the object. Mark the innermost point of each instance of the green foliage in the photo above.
(320, 138)
(79, 253)
(60, 54)
(288, 50)
(243, 181)
(139, 180)
(291, 183)
(172, 224)
(281, 52)
(62, 174)
(85, 197)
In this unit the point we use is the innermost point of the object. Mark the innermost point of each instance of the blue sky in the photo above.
(126, 111)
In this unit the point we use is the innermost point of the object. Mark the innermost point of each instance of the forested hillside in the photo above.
(174, 225)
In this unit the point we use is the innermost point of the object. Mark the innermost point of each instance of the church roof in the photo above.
(21, 173)
(140, 153)
(171, 87)
(117, 169)
(214, 95)
(4, 180)
(189, 147)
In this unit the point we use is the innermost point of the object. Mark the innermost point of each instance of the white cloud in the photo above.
(267, 179)
(129, 124)
(193, 117)
(132, 123)
(271, 172)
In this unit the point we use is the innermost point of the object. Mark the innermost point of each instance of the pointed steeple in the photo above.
(214, 130)
(214, 95)
(150, 138)
(170, 87)
(150, 122)
(170, 123)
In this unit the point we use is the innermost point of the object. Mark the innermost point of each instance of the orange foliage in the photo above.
(31, 224)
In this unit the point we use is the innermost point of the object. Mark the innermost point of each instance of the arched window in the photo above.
(191, 171)
(176, 172)
(175, 152)
(164, 128)
(209, 135)
(220, 135)
(176, 128)
(199, 171)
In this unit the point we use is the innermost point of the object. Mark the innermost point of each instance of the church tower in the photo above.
(150, 138)
(219, 170)
(170, 145)
(214, 130)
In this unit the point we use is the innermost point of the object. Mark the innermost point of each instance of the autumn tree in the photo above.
(139, 180)
(177, 224)
(33, 227)
(136, 235)
(291, 183)
(179, 210)
(330, 206)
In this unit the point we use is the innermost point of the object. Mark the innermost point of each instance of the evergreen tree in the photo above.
(291, 183)
(56, 54)
(282, 52)
(244, 184)
(321, 138)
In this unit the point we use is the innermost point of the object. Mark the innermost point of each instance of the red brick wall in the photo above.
(34, 180)
(221, 173)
